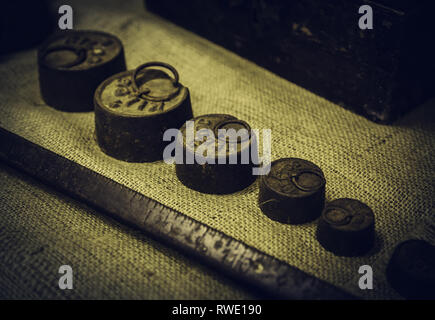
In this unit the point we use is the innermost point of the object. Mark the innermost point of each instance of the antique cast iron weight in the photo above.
(72, 64)
(134, 108)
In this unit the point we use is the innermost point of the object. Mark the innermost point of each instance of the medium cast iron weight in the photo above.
(134, 108)
(293, 192)
(206, 173)
(72, 64)
(346, 228)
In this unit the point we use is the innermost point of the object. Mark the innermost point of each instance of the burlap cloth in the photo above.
(391, 168)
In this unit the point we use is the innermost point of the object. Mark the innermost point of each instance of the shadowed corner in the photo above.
(422, 117)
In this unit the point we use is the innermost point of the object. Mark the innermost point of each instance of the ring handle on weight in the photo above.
(302, 188)
(346, 220)
(220, 124)
(80, 52)
(175, 80)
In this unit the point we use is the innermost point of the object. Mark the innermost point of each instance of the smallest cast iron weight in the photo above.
(293, 191)
(134, 108)
(72, 64)
(346, 228)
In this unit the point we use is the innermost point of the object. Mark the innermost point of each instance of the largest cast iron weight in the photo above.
(134, 108)
(215, 172)
(72, 64)
(293, 192)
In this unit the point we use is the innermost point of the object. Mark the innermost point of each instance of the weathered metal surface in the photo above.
(379, 73)
(72, 64)
(270, 276)
(222, 171)
(293, 192)
(347, 228)
(133, 109)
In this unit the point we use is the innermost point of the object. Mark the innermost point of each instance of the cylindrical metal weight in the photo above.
(72, 64)
(217, 151)
(293, 191)
(133, 109)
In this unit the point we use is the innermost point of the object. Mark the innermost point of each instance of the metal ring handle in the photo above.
(175, 80)
(80, 52)
(297, 185)
(220, 124)
(346, 220)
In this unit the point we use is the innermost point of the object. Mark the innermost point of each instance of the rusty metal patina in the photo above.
(347, 227)
(293, 192)
(223, 171)
(134, 108)
(73, 63)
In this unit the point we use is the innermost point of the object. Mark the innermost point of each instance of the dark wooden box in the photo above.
(379, 73)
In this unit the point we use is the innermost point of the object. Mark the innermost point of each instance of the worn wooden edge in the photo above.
(273, 278)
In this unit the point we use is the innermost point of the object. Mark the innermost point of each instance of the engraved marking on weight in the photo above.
(121, 91)
(212, 123)
(292, 177)
(258, 267)
(126, 82)
(143, 105)
(283, 184)
(91, 43)
(350, 213)
(218, 244)
(157, 106)
(134, 101)
(116, 104)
